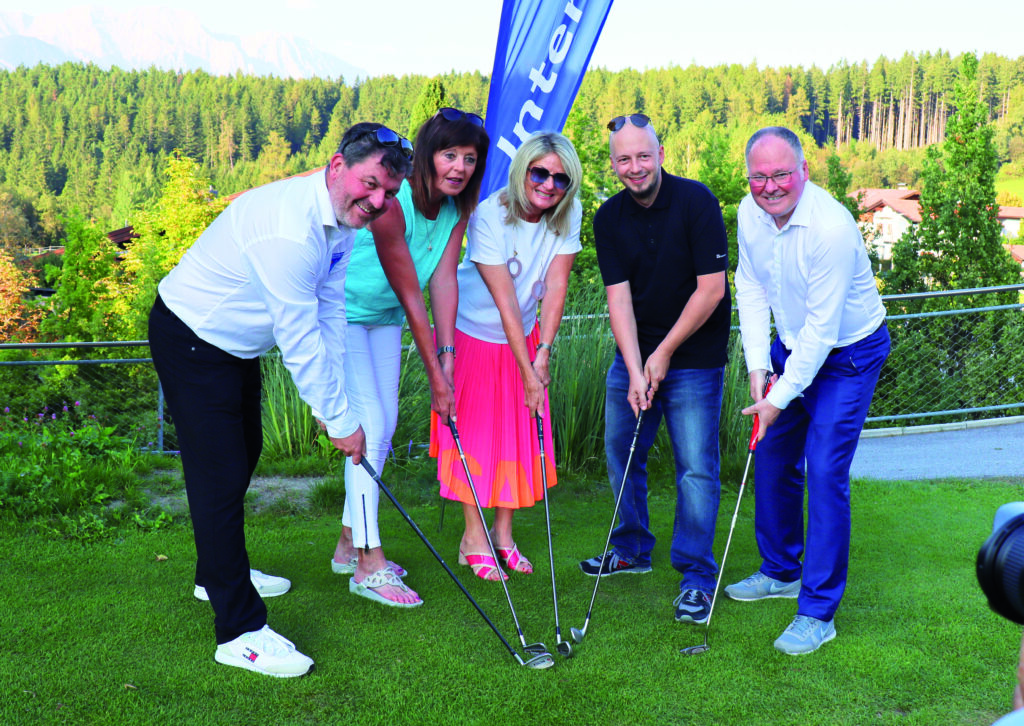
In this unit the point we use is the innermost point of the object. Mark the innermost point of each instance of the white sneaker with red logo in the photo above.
(264, 651)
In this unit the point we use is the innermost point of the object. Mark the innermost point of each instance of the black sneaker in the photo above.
(613, 565)
(692, 606)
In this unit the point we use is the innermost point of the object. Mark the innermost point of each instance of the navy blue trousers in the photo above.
(214, 398)
(813, 441)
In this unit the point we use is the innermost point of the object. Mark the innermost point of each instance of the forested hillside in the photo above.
(78, 137)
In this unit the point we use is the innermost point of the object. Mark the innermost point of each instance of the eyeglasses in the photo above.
(454, 114)
(386, 137)
(759, 181)
(539, 175)
(637, 119)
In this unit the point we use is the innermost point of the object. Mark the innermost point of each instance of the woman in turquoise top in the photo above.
(416, 242)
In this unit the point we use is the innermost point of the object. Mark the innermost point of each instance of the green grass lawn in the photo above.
(1014, 185)
(109, 633)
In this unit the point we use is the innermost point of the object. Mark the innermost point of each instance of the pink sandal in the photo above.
(483, 565)
(514, 560)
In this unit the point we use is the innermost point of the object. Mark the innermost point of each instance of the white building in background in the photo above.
(887, 213)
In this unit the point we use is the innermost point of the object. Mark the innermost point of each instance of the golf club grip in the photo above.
(757, 419)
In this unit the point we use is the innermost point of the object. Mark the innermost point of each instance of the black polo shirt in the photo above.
(660, 250)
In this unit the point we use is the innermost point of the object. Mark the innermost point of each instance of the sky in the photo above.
(434, 36)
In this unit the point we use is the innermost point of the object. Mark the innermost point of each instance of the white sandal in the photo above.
(349, 568)
(368, 588)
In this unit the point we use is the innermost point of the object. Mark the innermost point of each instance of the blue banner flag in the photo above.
(543, 50)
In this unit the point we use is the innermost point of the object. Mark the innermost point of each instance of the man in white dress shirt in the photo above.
(270, 270)
(803, 262)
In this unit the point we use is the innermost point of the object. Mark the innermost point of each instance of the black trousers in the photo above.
(214, 398)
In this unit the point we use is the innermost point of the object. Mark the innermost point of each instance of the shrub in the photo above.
(69, 473)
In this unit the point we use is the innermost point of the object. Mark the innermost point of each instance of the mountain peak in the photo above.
(164, 37)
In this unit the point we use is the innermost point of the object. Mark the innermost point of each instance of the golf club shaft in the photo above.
(547, 522)
(615, 513)
(487, 533)
(751, 447)
(416, 529)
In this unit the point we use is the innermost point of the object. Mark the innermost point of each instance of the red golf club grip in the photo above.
(757, 420)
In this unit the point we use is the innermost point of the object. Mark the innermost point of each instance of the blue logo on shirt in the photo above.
(335, 257)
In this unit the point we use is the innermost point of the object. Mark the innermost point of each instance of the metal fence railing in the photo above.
(948, 364)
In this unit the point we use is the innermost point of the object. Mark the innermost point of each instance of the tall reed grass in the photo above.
(413, 430)
(733, 427)
(583, 353)
(289, 429)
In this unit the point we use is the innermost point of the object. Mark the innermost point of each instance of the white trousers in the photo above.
(373, 362)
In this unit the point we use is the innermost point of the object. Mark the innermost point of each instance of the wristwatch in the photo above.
(446, 349)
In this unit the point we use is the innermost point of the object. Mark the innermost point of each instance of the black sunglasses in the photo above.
(386, 137)
(539, 175)
(637, 119)
(454, 114)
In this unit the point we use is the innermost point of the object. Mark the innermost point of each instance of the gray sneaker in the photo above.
(805, 635)
(761, 587)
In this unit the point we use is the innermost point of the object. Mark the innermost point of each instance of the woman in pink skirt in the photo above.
(522, 243)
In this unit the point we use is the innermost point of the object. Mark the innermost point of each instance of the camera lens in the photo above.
(1001, 566)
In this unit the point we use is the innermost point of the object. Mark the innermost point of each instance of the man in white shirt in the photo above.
(802, 261)
(270, 270)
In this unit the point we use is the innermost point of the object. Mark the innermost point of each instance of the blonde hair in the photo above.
(542, 143)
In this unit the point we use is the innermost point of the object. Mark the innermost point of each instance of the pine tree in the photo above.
(432, 97)
(958, 243)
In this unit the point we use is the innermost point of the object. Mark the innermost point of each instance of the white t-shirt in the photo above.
(271, 270)
(492, 242)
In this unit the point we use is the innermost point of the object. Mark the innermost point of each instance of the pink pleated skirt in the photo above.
(497, 431)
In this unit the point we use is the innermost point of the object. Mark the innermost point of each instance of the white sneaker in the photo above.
(266, 652)
(266, 586)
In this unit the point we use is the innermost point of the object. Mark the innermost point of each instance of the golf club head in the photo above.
(696, 649)
(577, 634)
(536, 649)
(564, 648)
(538, 662)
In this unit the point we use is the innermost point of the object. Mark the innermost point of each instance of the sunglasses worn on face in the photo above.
(637, 119)
(539, 175)
(454, 114)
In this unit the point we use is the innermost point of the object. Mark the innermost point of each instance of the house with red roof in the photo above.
(887, 213)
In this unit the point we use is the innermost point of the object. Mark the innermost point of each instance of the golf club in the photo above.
(538, 648)
(564, 647)
(578, 635)
(703, 648)
(539, 661)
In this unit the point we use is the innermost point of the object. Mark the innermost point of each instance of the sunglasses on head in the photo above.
(387, 137)
(539, 175)
(637, 119)
(454, 114)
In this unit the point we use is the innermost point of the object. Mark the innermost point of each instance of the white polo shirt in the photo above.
(813, 276)
(270, 270)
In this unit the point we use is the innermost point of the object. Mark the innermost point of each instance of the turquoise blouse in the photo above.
(369, 299)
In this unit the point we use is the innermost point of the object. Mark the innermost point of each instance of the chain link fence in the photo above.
(956, 356)
(113, 381)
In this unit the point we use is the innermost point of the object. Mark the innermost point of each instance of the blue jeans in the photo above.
(690, 401)
(813, 440)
